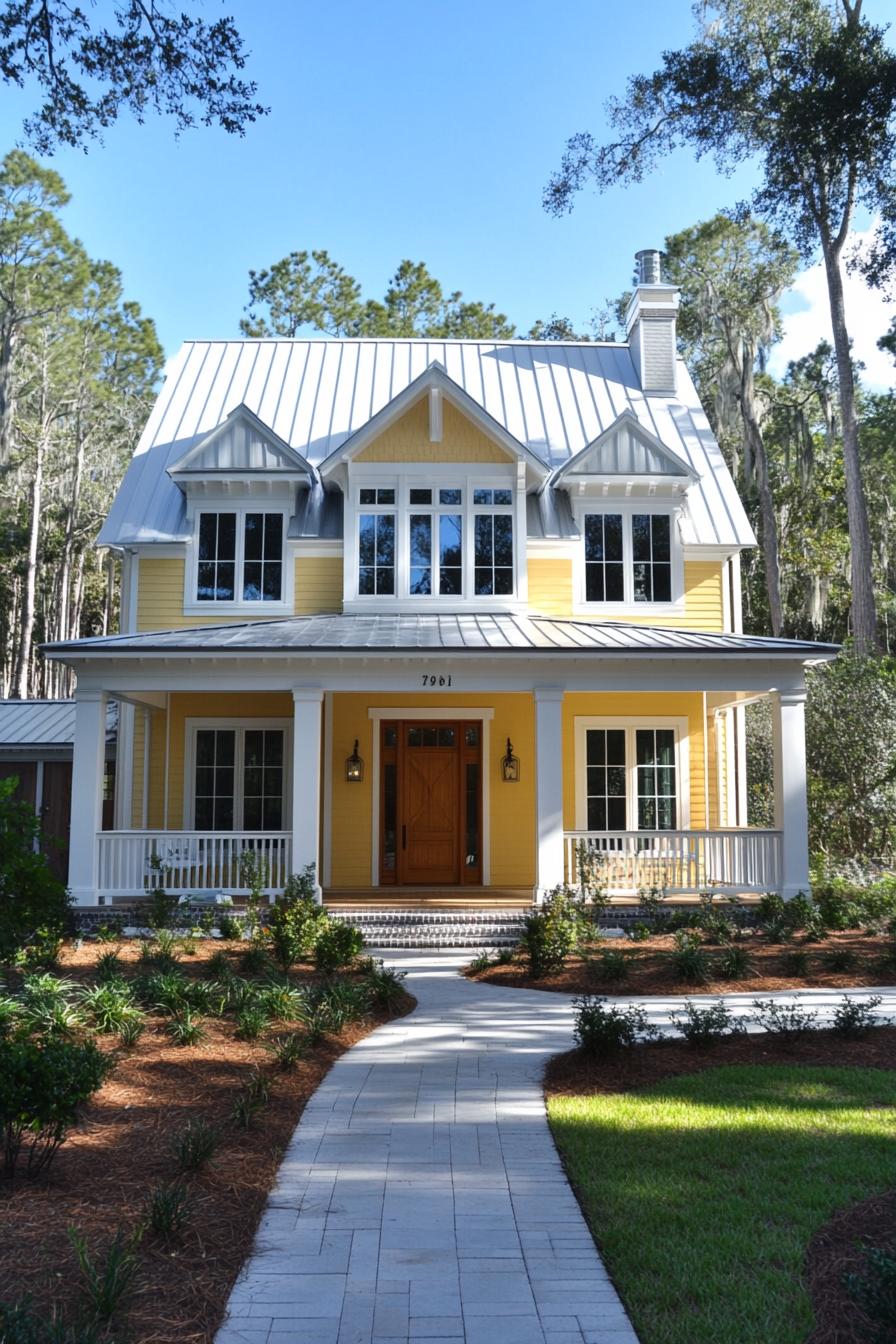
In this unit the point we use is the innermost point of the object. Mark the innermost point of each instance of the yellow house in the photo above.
(433, 616)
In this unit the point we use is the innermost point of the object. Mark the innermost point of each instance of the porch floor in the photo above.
(428, 898)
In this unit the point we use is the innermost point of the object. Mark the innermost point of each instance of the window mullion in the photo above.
(631, 776)
(239, 758)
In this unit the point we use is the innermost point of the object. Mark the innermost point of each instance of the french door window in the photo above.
(628, 557)
(240, 557)
(238, 779)
(631, 779)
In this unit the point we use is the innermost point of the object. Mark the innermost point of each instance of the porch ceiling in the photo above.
(501, 633)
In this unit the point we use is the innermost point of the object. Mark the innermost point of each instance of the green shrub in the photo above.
(553, 931)
(167, 1208)
(194, 1145)
(735, 963)
(296, 920)
(702, 1027)
(42, 951)
(44, 1086)
(689, 961)
(481, 962)
(639, 931)
(109, 931)
(230, 928)
(31, 898)
(854, 1018)
(601, 1030)
(840, 959)
(715, 925)
(106, 1284)
(612, 965)
(161, 910)
(789, 1021)
(874, 1291)
(337, 945)
(652, 902)
(254, 874)
(796, 963)
(254, 960)
(383, 985)
(781, 920)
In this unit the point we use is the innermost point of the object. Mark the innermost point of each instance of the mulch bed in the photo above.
(836, 1249)
(101, 1177)
(651, 970)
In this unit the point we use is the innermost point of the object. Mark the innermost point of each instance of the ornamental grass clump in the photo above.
(194, 1145)
(689, 960)
(167, 1209)
(735, 963)
(383, 985)
(108, 1006)
(106, 1283)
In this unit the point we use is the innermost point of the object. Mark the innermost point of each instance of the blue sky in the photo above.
(396, 130)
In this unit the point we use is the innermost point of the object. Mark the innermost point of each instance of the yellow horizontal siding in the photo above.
(407, 440)
(318, 584)
(551, 593)
(550, 586)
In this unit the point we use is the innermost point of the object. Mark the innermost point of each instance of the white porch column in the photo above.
(791, 804)
(306, 738)
(88, 765)
(549, 787)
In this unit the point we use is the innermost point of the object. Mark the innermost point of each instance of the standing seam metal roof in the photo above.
(476, 632)
(43, 722)
(554, 398)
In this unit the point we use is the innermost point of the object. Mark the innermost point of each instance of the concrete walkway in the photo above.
(421, 1197)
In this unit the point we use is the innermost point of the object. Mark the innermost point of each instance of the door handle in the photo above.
(404, 837)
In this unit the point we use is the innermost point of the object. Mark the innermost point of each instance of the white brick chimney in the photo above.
(650, 325)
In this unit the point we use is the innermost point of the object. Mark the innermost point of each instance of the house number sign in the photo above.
(436, 679)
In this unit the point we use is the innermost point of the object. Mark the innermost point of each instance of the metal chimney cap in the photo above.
(650, 270)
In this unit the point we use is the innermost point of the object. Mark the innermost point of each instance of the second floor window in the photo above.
(435, 541)
(240, 557)
(628, 557)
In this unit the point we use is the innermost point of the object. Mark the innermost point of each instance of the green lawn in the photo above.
(704, 1191)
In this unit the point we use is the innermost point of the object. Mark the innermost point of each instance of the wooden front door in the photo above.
(431, 803)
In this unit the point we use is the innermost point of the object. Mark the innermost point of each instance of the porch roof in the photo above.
(451, 633)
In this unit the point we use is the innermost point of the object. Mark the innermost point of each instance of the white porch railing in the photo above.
(678, 861)
(130, 863)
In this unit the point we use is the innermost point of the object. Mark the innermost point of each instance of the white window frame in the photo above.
(627, 508)
(192, 604)
(435, 476)
(240, 727)
(680, 728)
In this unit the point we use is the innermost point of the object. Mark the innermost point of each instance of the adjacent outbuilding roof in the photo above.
(500, 633)
(553, 398)
(44, 723)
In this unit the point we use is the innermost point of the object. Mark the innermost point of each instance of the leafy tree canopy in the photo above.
(311, 290)
(148, 60)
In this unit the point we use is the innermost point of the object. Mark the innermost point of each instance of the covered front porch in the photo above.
(623, 754)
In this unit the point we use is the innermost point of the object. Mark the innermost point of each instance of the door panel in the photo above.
(55, 815)
(429, 852)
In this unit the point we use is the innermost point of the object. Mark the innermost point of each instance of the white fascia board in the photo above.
(433, 377)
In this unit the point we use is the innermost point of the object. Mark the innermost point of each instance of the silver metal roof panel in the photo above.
(47, 723)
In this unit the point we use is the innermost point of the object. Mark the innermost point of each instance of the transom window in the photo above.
(238, 779)
(240, 557)
(435, 541)
(628, 557)
(629, 778)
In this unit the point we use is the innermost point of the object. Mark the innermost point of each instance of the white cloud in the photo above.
(807, 321)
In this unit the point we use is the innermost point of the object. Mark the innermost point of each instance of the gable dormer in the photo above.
(626, 459)
(241, 483)
(435, 504)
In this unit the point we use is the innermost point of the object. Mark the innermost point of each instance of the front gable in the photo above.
(409, 439)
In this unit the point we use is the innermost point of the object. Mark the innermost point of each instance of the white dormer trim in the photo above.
(675, 477)
(286, 460)
(433, 379)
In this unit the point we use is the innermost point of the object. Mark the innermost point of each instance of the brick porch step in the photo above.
(436, 928)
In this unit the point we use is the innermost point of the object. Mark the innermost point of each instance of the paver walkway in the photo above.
(421, 1197)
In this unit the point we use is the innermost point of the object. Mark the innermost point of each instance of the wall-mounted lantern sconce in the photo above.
(510, 766)
(354, 766)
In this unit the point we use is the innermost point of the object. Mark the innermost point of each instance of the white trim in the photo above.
(629, 607)
(680, 726)
(628, 420)
(379, 713)
(144, 801)
(705, 735)
(240, 507)
(167, 757)
(240, 727)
